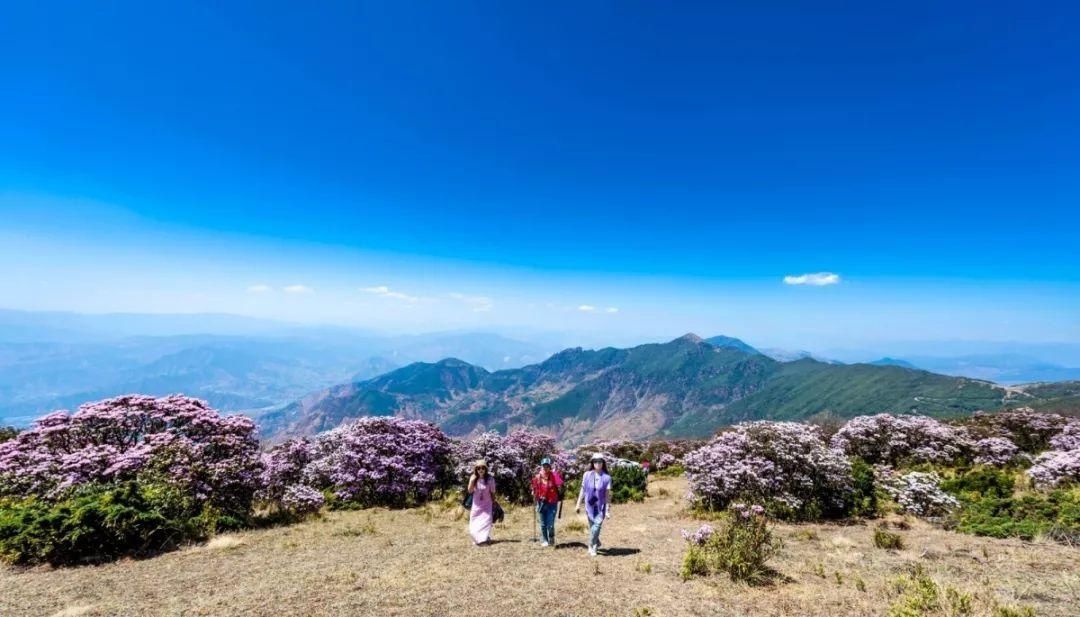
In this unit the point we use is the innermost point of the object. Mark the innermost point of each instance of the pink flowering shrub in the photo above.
(179, 441)
(784, 465)
(380, 461)
(1068, 438)
(1055, 468)
(282, 485)
(300, 499)
(512, 459)
(995, 451)
(665, 460)
(917, 492)
(894, 440)
(1030, 430)
(1060, 466)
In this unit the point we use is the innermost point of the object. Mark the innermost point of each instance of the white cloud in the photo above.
(611, 309)
(258, 289)
(297, 289)
(586, 308)
(386, 292)
(479, 304)
(815, 279)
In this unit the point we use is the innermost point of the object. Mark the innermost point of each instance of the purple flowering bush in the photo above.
(175, 440)
(379, 461)
(131, 475)
(784, 465)
(895, 440)
(665, 460)
(917, 492)
(740, 546)
(1061, 465)
(1067, 439)
(1031, 431)
(1055, 468)
(995, 451)
(512, 459)
(300, 499)
(282, 486)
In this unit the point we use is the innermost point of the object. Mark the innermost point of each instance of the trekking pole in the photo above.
(536, 513)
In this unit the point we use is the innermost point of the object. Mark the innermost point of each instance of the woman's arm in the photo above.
(472, 483)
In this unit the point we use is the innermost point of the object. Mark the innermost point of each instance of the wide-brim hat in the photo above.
(597, 457)
(545, 461)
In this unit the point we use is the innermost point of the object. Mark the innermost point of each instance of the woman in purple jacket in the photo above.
(595, 487)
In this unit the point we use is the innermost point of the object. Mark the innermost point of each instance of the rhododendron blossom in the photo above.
(1030, 430)
(996, 451)
(512, 459)
(885, 438)
(177, 440)
(1055, 468)
(380, 461)
(783, 464)
(1068, 438)
(917, 492)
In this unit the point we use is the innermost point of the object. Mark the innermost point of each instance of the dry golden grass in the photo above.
(421, 562)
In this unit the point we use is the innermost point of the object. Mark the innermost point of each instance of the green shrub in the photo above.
(919, 596)
(981, 481)
(1055, 514)
(628, 484)
(740, 546)
(673, 471)
(7, 432)
(887, 539)
(100, 523)
(864, 496)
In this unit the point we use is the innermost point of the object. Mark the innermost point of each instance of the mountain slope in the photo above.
(686, 387)
(732, 342)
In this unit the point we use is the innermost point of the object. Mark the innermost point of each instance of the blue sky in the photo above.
(502, 166)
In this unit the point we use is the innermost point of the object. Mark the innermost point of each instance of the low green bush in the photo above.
(100, 523)
(672, 471)
(7, 432)
(887, 539)
(982, 482)
(1055, 514)
(628, 483)
(740, 546)
(864, 496)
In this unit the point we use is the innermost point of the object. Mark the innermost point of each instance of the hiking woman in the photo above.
(595, 487)
(482, 489)
(547, 490)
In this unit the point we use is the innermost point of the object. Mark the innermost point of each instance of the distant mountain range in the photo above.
(54, 361)
(686, 387)
(60, 360)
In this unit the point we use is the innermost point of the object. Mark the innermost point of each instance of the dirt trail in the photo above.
(421, 562)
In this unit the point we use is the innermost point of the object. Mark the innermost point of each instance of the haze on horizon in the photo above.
(812, 179)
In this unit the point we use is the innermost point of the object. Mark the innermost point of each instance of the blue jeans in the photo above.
(594, 530)
(547, 522)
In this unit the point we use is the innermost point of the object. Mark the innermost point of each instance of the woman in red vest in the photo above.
(547, 489)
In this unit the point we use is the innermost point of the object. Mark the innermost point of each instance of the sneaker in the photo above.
(592, 551)
(544, 543)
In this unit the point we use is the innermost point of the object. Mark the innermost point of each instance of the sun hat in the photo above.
(597, 457)
(545, 461)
